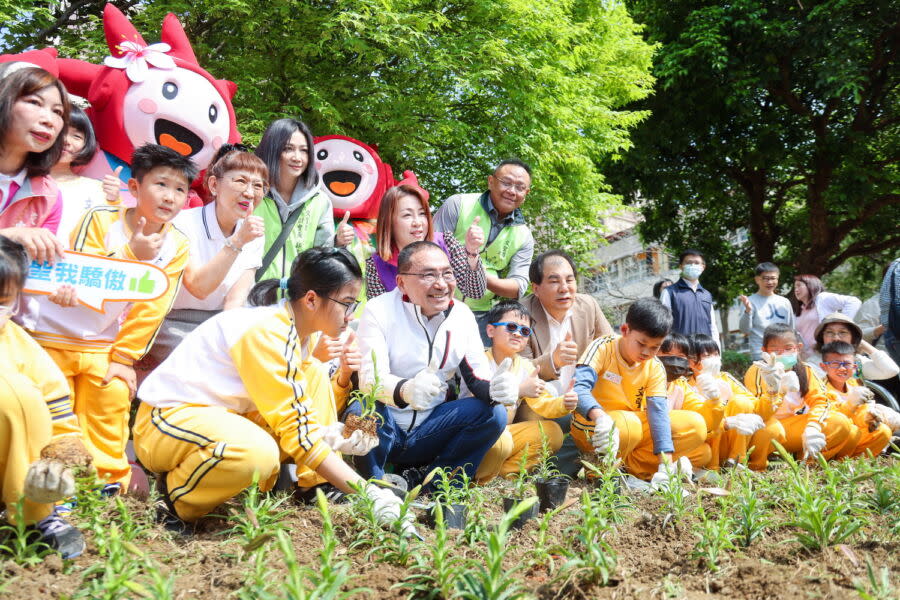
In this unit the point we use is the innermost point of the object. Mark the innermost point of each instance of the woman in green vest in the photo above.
(297, 212)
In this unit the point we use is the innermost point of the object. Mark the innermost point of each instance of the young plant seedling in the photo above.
(368, 418)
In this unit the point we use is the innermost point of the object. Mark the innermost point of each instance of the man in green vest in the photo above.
(509, 246)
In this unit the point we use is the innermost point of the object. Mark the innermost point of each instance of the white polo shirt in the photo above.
(206, 238)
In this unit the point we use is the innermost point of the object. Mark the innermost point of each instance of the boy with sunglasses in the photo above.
(509, 327)
(869, 432)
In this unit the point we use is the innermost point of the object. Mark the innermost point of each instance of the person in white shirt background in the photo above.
(812, 304)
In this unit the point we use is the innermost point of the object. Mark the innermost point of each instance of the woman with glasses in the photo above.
(812, 304)
(243, 390)
(873, 363)
(404, 218)
(226, 242)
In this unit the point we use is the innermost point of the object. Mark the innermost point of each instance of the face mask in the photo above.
(676, 367)
(787, 360)
(691, 272)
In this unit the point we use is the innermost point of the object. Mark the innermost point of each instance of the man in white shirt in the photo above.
(764, 308)
(414, 340)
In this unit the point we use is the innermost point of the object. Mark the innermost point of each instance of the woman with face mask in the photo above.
(792, 402)
(812, 304)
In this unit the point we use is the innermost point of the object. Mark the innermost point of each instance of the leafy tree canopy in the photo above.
(444, 88)
(780, 117)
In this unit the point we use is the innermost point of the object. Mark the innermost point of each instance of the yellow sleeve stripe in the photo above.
(594, 348)
(81, 236)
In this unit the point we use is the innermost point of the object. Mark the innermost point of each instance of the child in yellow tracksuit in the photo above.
(731, 440)
(509, 326)
(792, 402)
(868, 433)
(622, 405)
(39, 434)
(242, 391)
(96, 350)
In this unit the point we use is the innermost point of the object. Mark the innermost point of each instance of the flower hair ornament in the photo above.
(136, 57)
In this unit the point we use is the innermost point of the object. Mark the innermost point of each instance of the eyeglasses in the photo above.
(349, 307)
(514, 328)
(841, 333)
(429, 277)
(239, 184)
(839, 364)
(506, 184)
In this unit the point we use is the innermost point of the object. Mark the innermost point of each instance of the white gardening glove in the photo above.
(709, 386)
(358, 444)
(48, 480)
(425, 390)
(744, 423)
(813, 442)
(859, 395)
(711, 365)
(789, 383)
(606, 436)
(772, 372)
(668, 471)
(386, 506)
(505, 385)
(888, 416)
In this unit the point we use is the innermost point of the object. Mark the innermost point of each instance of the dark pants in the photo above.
(456, 434)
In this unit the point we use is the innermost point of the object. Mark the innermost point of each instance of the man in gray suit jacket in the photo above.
(563, 324)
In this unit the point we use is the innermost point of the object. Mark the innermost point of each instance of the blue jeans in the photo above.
(456, 434)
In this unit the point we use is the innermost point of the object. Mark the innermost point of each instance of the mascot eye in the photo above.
(322, 154)
(213, 113)
(170, 90)
(358, 156)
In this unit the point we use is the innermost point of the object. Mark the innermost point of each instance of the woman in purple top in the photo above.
(404, 218)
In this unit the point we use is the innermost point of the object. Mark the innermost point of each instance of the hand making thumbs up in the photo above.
(145, 247)
(345, 234)
(504, 385)
(570, 398)
(566, 352)
(351, 359)
(112, 185)
(474, 237)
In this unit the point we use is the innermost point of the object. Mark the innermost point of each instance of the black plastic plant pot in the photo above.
(551, 492)
(454, 516)
(519, 523)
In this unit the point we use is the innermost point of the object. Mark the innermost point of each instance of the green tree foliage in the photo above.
(446, 88)
(780, 117)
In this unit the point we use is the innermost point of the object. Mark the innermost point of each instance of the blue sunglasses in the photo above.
(514, 328)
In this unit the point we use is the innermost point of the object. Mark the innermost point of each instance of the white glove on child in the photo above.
(668, 471)
(709, 386)
(358, 444)
(859, 395)
(772, 372)
(711, 365)
(789, 383)
(48, 480)
(744, 423)
(505, 385)
(888, 416)
(425, 390)
(386, 505)
(606, 436)
(813, 441)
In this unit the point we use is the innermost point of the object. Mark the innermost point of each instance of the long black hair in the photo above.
(782, 330)
(78, 120)
(320, 269)
(274, 139)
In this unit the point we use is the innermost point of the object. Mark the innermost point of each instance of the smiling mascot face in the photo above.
(154, 93)
(352, 174)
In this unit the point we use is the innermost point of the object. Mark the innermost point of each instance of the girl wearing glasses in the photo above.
(243, 390)
(226, 242)
(871, 430)
(404, 218)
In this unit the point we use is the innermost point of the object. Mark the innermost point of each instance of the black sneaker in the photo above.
(414, 476)
(308, 495)
(60, 535)
(169, 519)
(111, 490)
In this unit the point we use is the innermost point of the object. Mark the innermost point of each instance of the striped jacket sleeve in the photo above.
(268, 360)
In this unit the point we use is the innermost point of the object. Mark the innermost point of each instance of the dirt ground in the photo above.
(654, 555)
